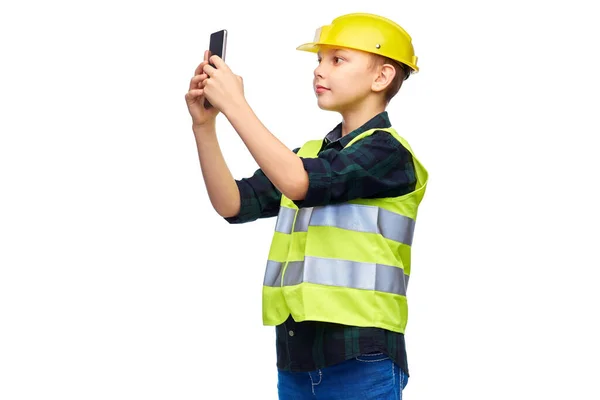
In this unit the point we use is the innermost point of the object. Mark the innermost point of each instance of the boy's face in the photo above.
(343, 79)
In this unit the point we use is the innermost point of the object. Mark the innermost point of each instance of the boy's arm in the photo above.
(376, 166)
(284, 169)
(238, 201)
(222, 189)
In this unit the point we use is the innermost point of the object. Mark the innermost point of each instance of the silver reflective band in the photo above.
(273, 273)
(285, 220)
(332, 272)
(303, 219)
(355, 217)
(369, 219)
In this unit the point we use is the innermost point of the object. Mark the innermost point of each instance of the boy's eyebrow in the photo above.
(334, 50)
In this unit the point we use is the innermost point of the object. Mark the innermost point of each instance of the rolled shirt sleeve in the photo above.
(259, 198)
(376, 166)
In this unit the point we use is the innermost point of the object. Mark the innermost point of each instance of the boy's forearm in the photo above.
(281, 165)
(222, 190)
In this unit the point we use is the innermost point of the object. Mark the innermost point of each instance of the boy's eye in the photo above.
(335, 59)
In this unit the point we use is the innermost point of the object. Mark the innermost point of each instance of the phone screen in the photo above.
(218, 42)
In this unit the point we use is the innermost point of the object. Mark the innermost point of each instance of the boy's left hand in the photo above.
(223, 88)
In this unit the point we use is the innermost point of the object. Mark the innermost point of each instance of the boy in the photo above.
(339, 262)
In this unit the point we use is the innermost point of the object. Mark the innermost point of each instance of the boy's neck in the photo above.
(352, 120)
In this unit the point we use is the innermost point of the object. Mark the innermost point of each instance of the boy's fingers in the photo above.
(218, 62)
(200, 67)
(194, 94)
(203, 63)
(196, 80)
(209, 70)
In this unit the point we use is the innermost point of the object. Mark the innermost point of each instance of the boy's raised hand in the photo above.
(194, 98)
(224, 89)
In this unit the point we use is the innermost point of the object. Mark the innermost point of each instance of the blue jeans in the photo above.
(369, 376)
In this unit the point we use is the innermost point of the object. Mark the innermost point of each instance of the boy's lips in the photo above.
(320, 89)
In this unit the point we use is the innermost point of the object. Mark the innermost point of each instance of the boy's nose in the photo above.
(318, 72)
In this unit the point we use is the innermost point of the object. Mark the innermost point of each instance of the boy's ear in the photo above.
(384, 78)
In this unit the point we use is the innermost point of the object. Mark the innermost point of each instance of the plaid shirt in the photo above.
(375, 166)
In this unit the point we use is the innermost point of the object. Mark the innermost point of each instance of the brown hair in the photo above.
(402, 73)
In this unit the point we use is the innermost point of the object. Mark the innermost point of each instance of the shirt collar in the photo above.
(381, 120)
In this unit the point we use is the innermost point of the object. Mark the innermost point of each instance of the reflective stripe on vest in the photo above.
(356, 217)
(350, 274)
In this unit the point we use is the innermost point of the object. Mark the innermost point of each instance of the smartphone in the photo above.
(218, 44)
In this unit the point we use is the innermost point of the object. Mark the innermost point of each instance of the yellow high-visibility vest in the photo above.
(346, 263)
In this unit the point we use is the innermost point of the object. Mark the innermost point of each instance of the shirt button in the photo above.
(291, 333)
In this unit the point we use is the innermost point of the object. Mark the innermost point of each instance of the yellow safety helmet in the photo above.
(366, 32)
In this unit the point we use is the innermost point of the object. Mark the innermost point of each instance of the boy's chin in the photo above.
(328, 106)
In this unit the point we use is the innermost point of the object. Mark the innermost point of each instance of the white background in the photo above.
(119, 281)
